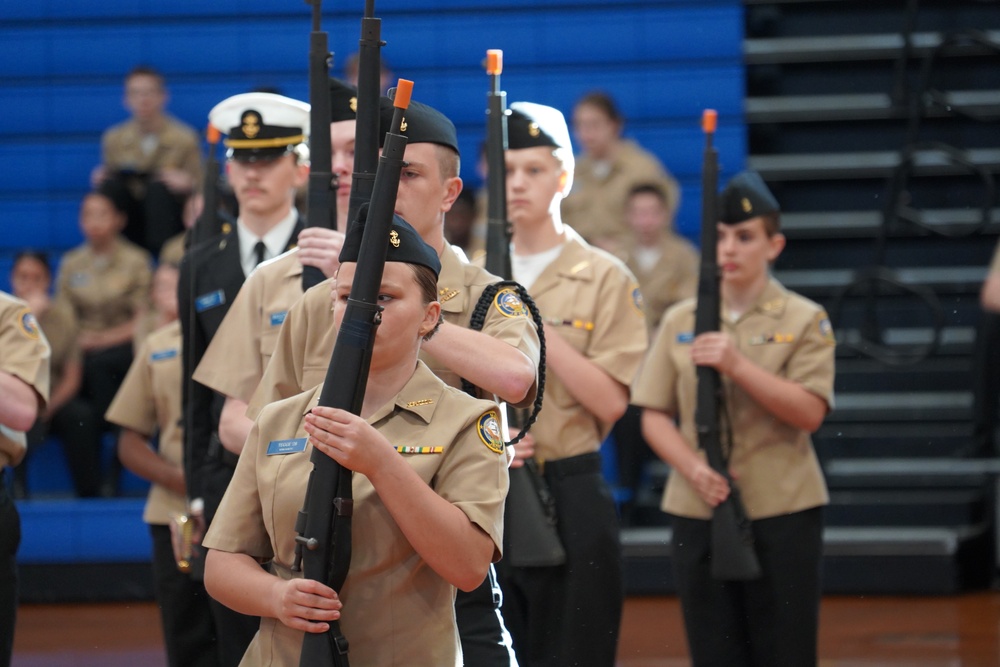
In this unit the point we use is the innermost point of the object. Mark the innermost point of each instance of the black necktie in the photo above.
(259, 249)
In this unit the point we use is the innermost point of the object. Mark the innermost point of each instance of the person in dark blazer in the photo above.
(267, 162)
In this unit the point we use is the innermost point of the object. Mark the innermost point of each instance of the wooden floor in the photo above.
(855, 632)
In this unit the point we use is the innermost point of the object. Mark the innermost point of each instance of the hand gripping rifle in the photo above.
(366, 131)
(530, 505)
(322, 203)
(732, 551)
(323, 545)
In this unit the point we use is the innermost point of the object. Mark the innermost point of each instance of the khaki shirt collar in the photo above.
(452, 293)
(771, 302)
(421, 396)
(573, 263)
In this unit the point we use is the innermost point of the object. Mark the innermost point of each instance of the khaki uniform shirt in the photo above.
(673, 278)
(105, 291)
(775, 464)
(24, 353)
(177, 147)
(59, 327)
(595, 206)
(995, 262)
(149, 401)
(305, 343)
(593, 301)
(235, 359)
(397, 610)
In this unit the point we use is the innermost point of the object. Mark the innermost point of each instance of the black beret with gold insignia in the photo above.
(746, 196)
(343, 101)
(530, 125)
(422, 124)
(260, 126)
(404, 243)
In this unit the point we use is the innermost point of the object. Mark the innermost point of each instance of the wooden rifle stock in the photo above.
(322, 203)
(366, 139)
(324, 524)
(732, 552)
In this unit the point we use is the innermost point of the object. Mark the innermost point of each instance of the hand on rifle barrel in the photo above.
(320, 247)
(524, 449)
(710, 485)
(716, 349)
(305, 604)
(348, 439)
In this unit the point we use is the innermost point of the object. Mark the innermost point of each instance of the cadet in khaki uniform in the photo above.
(106, 283)
(429, 483)
(24, 390)
(148, 404)
(235, 360)
(501, 360)
(775, 354)
(152, 160)
(609, 167)
(595, 334)
(67, 414)
(666, 266)
(266, 165)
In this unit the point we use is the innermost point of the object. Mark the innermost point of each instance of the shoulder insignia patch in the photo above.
(826, 330)
(509, 303)
(28, 324)
(637, 302)
(489, 431)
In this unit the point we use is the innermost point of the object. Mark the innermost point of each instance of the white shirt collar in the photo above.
(274, 241)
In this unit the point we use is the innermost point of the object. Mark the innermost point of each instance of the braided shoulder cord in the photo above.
(476, 324)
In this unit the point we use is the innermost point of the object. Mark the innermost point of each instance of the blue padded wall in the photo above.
(663, 61)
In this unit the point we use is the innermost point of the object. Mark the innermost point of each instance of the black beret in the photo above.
(343, 101)
(530, 125)
(404, 243)
(261, 125)
(746, 196)
(421, 125)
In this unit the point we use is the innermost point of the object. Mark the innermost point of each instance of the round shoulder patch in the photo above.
(637, 301)
(509, 303)
(826, 331)
(28, 324)
(489, 431)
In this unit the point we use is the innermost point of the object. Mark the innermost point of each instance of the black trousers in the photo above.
(10, 540)
(985, 385)
(770, 622)
(485, 640)
(570, 614)
(185, 613)
(78, 427)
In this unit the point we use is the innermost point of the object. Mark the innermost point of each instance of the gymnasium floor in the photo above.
(953, 631)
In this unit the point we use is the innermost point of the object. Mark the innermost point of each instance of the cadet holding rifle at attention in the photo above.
(775, 354)
(266, 164)
(236, 357)
(430, 475)
(502, 359)
(595, 335)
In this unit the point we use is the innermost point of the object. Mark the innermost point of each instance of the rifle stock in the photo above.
(322, 204)
(324, 523)
(732, 552)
